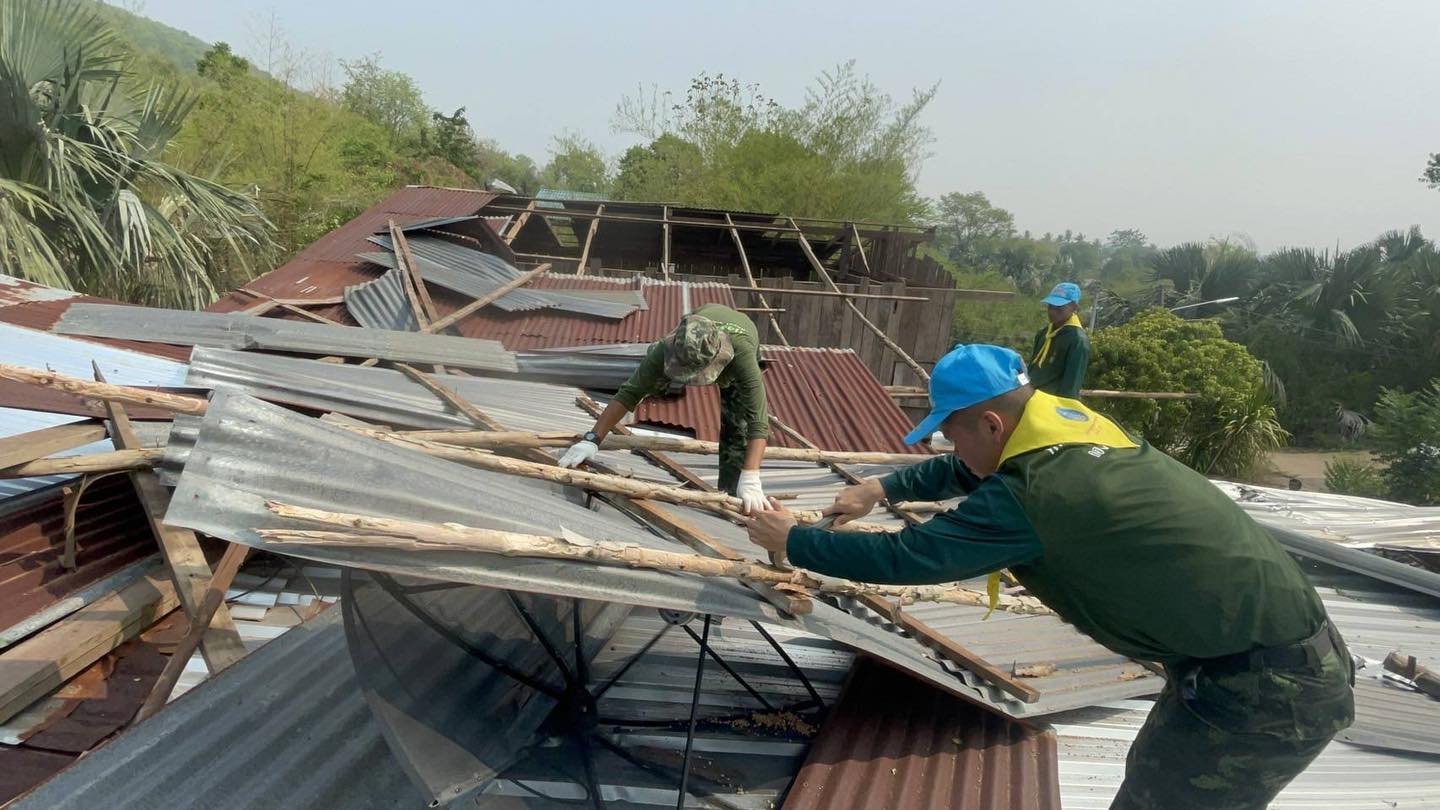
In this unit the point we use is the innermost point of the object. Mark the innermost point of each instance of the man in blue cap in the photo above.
(1131, 547)
(1062, 350)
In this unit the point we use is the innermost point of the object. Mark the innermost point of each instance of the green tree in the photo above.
(1226, 430)
(1406, 433)
(848, 151)
(85, 200)
(220, 63)
(576, 164)
(451, 138)
(1431, 175)
(387, 98)
(312, 163)
(665, 170)
(968, 225)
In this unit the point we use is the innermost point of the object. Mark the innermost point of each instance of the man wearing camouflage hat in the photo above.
(714, 345)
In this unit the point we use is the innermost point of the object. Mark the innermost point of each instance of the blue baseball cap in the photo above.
(968, 375)
(1064, 293)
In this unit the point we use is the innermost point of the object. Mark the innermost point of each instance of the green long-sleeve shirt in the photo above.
(1135, 549)
(1063, 372)
(742, 373)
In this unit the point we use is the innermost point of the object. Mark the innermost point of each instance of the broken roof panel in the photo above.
(895, 744)
(382, 303)
(236, 331)
(42, 350)
(1347, 520)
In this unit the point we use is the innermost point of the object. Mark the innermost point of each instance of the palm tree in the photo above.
(86, 202)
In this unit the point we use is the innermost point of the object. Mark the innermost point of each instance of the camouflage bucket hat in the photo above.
(697, 351)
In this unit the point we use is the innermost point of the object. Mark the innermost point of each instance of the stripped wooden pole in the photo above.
(488, 299)
(110, 393)
(854, 310)
(519, 223)
(629, 487)
(113, 461)
(351, 529)
(663, 444)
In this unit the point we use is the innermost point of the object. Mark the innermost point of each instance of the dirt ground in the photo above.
(1308, 466)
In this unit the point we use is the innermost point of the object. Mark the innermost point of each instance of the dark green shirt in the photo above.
(1063, 372)
(1133, 548)
(742, 373)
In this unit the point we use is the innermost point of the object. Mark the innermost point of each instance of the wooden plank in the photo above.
(180, 548)
(408, 283)
(488, 299)
(570, 213)
(944, 645)
(589, 238)
(38, 444)
(40, 664)
(520, 222)
(826, 293)
(225, 572)
(1408, 667)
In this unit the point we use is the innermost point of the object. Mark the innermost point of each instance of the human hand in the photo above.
(579, 453)
(770, 530)
(855, 502)
(751, 493)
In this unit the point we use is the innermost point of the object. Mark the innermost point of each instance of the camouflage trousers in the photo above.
(1232, 740)
(732, 438)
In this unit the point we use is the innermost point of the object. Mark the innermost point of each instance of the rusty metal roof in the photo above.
(828, 395)
(329, 265)
(35, 306)
(895, 743)
(110, 532)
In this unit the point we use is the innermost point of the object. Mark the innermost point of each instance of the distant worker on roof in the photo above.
(714, 345)
(1138, 551)
(1062, 350)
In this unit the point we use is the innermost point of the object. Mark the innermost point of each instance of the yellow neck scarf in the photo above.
(1044, 354)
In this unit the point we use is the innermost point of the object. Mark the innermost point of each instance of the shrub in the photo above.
(1406, 433)
(1223, 432)
(1346, 477)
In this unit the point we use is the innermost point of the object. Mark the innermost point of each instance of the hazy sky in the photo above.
(1295, 122)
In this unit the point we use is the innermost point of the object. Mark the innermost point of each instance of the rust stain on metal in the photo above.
(110, 532)
(892, 742)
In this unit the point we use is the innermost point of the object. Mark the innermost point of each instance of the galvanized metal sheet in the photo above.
(475, 273)
(382, 304)
(32, 348)
(1359, 523)
(249, 452)
(237, 331)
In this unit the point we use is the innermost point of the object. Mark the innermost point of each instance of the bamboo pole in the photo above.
(495, 440)
(629, 487)
(95, 463)
(392, 533)
(111, 393)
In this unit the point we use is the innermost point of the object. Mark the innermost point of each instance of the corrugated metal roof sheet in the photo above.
(1362, 523)
(42, 350)
(382, 303)
(37, 307)
(328, 265)
(828, 395)
(896, 744)
(235, 331)
(286, 726)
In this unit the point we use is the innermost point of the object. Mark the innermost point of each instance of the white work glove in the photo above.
(750, 493)
(579, 453)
